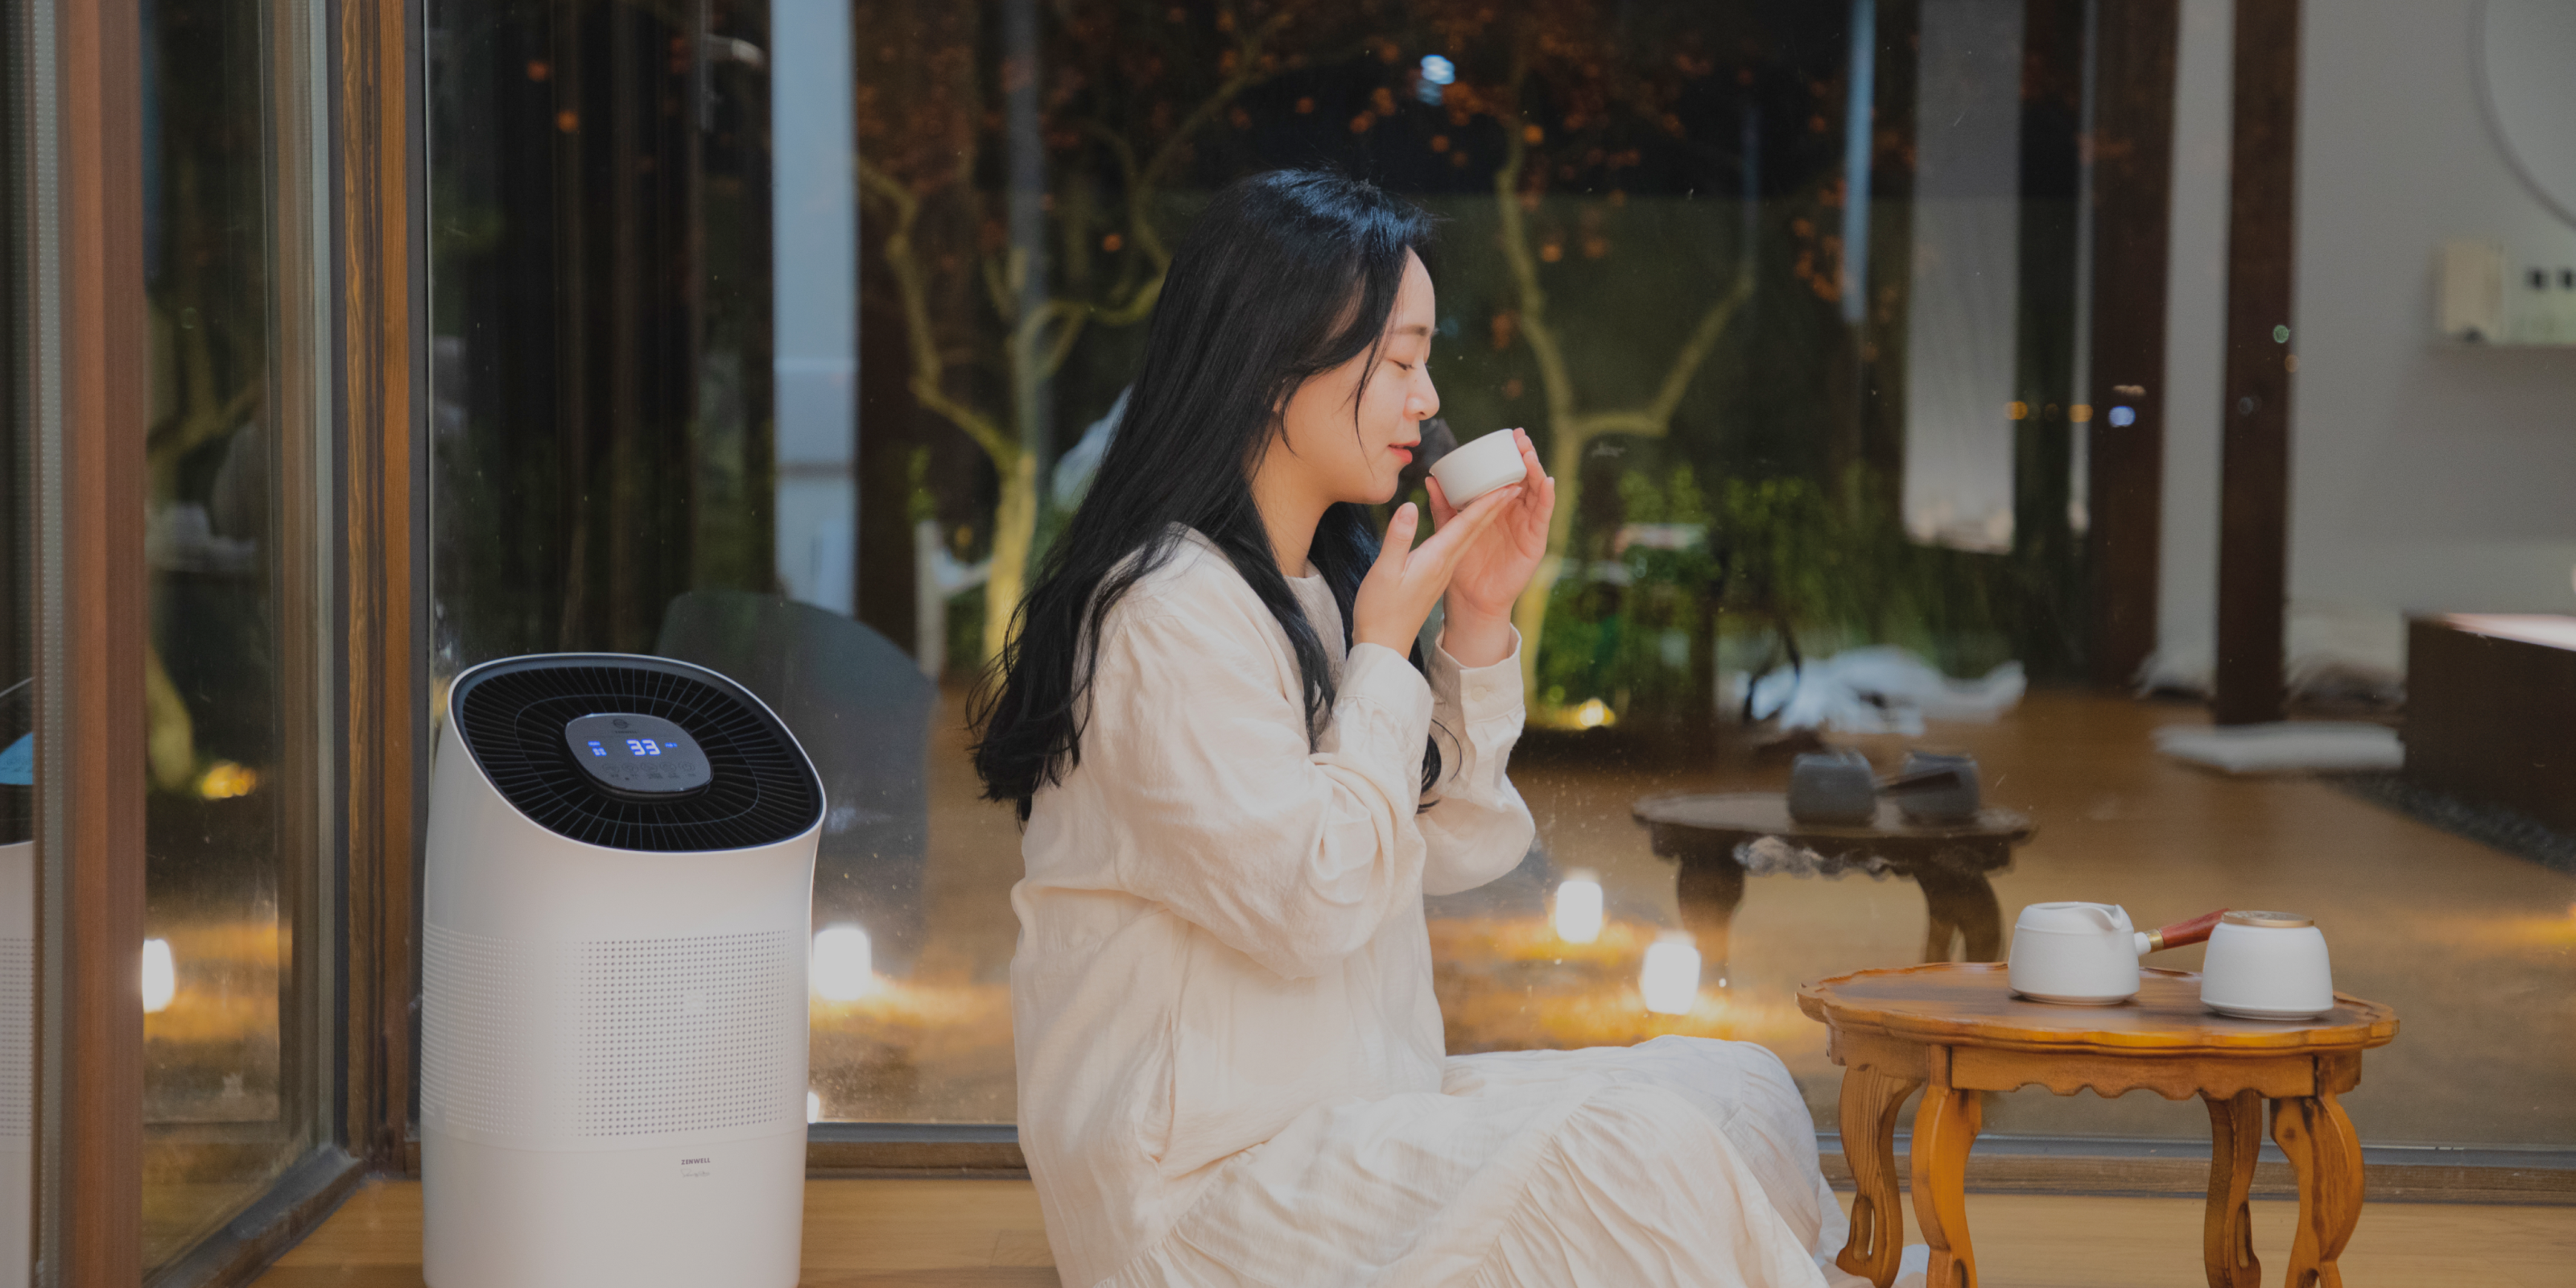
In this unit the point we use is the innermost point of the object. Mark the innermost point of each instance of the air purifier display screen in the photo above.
(637, 755)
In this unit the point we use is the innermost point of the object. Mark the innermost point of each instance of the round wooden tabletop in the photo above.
(1971, 1004)
(1767, 814)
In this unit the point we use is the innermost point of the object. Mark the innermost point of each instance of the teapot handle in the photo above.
(2183, 933)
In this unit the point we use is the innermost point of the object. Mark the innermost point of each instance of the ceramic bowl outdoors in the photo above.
(1833, 787)
(1472, 469)
(1955, 805)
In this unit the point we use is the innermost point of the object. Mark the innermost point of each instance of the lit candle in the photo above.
(160, 976)
(843, 969)
(1578, 906)
(1671, 978)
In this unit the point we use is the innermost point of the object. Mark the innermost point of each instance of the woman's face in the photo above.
(1319, 450)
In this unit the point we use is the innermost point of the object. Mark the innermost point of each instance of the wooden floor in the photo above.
(957, 1234)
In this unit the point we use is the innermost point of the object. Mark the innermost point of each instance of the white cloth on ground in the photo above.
(1231, 1064)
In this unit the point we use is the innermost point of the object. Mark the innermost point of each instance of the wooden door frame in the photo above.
(90, 713)
(384, 389)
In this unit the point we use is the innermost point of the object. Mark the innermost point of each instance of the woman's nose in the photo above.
(1425, 404)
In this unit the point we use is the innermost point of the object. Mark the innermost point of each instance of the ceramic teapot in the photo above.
(2086, 954)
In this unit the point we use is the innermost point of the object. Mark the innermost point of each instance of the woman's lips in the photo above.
(1405, 452)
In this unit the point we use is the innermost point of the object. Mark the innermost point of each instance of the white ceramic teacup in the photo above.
(2079, 954)
(2267, 966)
(1472, 469)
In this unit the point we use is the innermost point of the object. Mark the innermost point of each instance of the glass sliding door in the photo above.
(240, 834)
(1843, 326)
(18, 688)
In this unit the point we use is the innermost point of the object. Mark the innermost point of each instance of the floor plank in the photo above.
(988, 1234)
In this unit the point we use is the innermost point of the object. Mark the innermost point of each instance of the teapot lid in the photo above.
(2081, 918)
(2271, 920)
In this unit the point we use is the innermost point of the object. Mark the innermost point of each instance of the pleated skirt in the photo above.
(1686, 1162)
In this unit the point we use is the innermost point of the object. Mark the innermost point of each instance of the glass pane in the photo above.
(1801, 305)
(18, 433)
(237, 672)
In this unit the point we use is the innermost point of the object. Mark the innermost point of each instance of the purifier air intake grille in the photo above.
(17, 1037)
(551, 1045)
(684, 1035)
(513, 715)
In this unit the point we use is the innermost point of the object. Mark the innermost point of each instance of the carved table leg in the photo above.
(2313, 1131)
(2227, 1236)
(1870, 1103)
(1710, 887)
(1945, 1125)
(1960, 903)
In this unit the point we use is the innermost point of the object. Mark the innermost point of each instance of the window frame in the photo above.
(76, 188)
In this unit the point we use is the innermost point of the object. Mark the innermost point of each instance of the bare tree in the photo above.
(1116, 106)
(1572, 99)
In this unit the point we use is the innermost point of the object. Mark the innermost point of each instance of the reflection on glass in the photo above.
(231, 678)
(17, 910)
(1791, 296)
(18, 1001)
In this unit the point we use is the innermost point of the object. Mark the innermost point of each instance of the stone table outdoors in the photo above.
(1720, 839)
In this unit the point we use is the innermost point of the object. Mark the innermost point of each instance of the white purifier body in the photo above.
(17, 983)
(613, 1001)
(17, 1056)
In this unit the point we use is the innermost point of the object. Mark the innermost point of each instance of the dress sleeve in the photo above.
(1477, 828)
(1293, 857)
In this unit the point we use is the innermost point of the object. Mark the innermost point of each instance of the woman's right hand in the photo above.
(1396, 596)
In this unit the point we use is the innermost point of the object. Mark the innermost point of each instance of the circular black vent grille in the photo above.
(512, 715)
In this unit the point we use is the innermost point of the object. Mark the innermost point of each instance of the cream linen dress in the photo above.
(1231, 1069)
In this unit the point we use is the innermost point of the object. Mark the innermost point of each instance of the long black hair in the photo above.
(1286, 275)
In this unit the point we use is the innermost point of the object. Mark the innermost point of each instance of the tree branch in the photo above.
(1247, 73)
(1656, 417)
(928, 368)
(1554, 379)
(1695, 350)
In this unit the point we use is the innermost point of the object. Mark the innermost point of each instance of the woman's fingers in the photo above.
(1392, 552)
(1407, 580)
(1441, 511)
(1538, 503)
(1446, 547)
(1532, 473)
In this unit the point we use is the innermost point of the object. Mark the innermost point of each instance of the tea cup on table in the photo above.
(2267, 966)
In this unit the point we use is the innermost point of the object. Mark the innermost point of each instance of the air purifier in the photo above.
(613, 1004)
(17, 979)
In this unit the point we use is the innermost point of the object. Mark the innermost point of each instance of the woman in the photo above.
(1237, 788)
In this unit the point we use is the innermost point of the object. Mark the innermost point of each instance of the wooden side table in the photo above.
(1947, 861)
(1955, 1029)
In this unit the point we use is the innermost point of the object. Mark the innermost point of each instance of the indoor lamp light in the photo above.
(1670, 981)
(844, 970)
(1578, 906)
(160, 976)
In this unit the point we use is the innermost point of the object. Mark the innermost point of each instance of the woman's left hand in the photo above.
(1494, 571)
